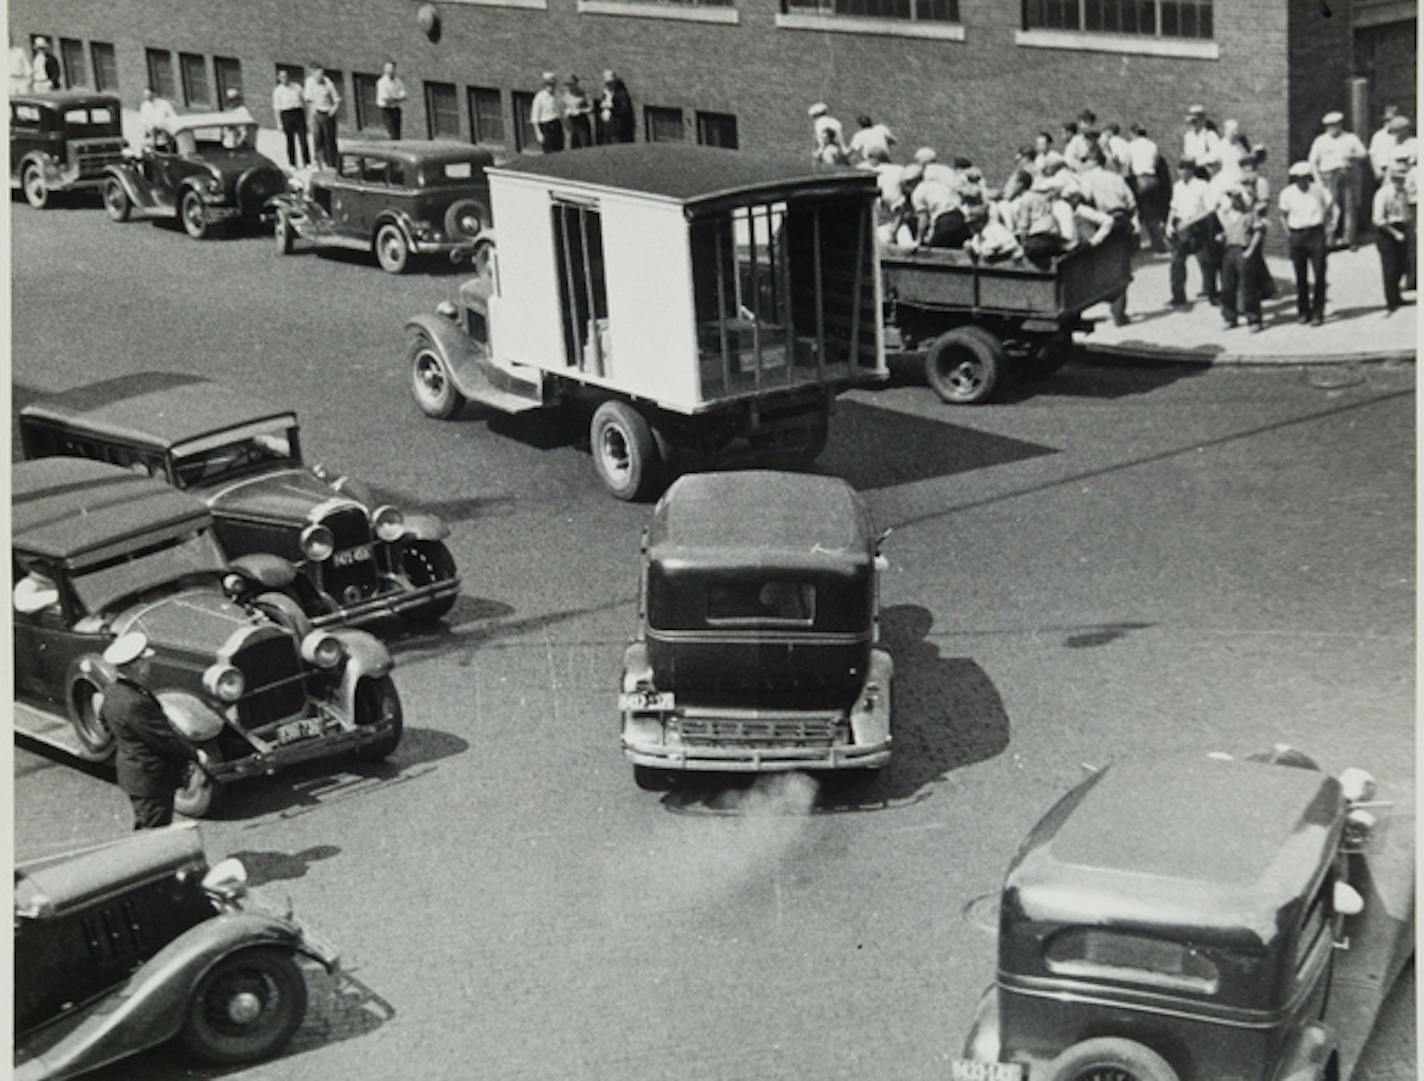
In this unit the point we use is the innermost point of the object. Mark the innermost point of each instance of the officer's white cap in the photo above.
(1300, 168)
(819, 109)
(1333, 117)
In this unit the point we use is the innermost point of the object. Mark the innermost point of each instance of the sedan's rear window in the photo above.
(459, 170)
(1093, 953)
(771, 602)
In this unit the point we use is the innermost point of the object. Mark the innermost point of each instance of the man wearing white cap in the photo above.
(44, 68)
(1336, 156)
(150, 758)
(546, 113)
(1305, 211)
(1381, 146)
(1393, 222)
(1200, 142)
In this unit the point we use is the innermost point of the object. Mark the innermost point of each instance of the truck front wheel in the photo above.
(963, 365)
(430, 383)
(624, 451)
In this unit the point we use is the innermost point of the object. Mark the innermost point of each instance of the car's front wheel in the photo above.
(36, 190)
(392, 250)
(96, 742)
(190, 210)
(430, 383)
(116, 201)
(376, 698)
(1110, 1059)
(624, 451)
(246, 1007)
(424, 564)
(200, 795)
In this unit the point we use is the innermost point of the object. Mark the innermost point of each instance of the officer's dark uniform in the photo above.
(151, 759)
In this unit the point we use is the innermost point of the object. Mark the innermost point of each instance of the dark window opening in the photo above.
(194, 68)
(368, 113)
(522, 101)
(717, 129)
(106, 66)
(663, 125)
(71, 58)
(941, 11)
(228, 70)
(1191, 19)
(583, 292)
(160, 73)
(442, 111)
(486, 115)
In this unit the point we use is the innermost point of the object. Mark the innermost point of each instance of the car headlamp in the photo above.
(388, 523)
(227, 879)
(224, 681)
(322, 649)
(318, 543)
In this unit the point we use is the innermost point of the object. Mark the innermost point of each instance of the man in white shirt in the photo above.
(821, 117)
(1393, 222)
(1336, 156)
(1305, 213)
(321, 94)
(290, 109)
(1149, 185)
(546, 114)
(390, 96)
(153, 114)
(1381, 147)
(870, 137)
(19, 69)
(44, 68)
(1199, 142)
(1117, 152)
(1188, 225)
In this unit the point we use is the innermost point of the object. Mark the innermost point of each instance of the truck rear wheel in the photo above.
(624, 451)
(963, 365)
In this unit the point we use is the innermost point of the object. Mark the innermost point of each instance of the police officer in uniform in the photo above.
(151, 759)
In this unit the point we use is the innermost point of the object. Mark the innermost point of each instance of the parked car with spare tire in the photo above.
(399, 200)
(128, 944)
(202, 169)
(63, 140)
(98, 552)
(323, 551)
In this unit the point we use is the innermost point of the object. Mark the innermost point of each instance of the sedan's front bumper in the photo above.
(327, 745)
(759, 759)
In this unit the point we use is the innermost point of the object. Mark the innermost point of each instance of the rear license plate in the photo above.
(961, 1069)
(352, 555)
(293, 731)
(646, 701)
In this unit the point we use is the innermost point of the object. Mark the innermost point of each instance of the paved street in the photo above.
(1120, 560)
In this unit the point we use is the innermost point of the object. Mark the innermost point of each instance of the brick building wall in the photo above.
(1320, 62)
(981, 96)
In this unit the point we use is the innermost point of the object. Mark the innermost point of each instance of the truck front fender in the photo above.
(148, 1009)
(457, 352)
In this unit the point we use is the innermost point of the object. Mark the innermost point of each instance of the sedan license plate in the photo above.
(961, 1069)
(349, 556)
(293, 731)
(646, 701)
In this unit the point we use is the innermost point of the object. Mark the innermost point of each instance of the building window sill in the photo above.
(688, 13)
(1118, 43)
(849, 24)
(536, 5)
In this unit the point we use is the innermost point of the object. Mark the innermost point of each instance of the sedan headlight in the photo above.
(318, 543)
(388, 523)
(322, 649)
(225, 682)
(227, 879)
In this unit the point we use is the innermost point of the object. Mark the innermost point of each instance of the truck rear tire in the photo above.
(624, 451)
(963, 365)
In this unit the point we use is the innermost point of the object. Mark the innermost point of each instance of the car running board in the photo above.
(483, 382)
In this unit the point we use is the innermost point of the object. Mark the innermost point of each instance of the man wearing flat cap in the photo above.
(1336, 155)
(1393, 222)
(1305, 213)
(546, 114)
(150, 758)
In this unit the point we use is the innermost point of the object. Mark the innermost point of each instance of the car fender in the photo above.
(425, 527)
(190, 716)
(984, 1043)
(401, 220)
(456, 350)
(636, 666)
(873, 725)
(366, 658)
(1307, 1053)
(148, 1009)
(135, 187)
(46, 161)
(350, 487)
(266, 570)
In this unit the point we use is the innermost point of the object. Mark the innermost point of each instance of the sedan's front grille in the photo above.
(112, 933)
(272, 669)
(91, 156)
(764, 732)
(345, 576)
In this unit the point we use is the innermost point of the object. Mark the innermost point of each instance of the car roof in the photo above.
(156, 408)
(685, 173)
(185, 121)
(63, 507)
(418, 151)
(63, 99)
(1186, 840)
(761, 518)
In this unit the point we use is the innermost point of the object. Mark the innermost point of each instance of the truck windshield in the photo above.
(236, 452)
(94, 120)
(102, 586)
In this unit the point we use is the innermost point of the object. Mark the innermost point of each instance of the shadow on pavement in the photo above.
(339, 1007)
(1087, 377)
(264, 867)
(947, 715)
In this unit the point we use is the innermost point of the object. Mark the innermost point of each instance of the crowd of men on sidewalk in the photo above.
(1104, 187)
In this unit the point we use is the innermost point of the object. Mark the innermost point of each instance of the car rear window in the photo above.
(1094, 953)
(772, 602)
(459, 170)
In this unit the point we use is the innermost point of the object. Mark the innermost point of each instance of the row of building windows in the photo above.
(97, 67)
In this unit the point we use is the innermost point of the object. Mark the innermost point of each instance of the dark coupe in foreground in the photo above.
(126, 945)
(330, 553)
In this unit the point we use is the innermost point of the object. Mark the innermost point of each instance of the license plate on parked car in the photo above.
(349, 556)
(293, 731)
(961, 1069)
(643, 701)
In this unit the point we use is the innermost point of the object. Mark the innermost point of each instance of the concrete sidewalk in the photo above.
(1357, 326)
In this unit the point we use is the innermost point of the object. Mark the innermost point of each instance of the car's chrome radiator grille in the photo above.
(272, 670)
(91, 157)
(766, 732)
(344, 577)
(112, 933)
